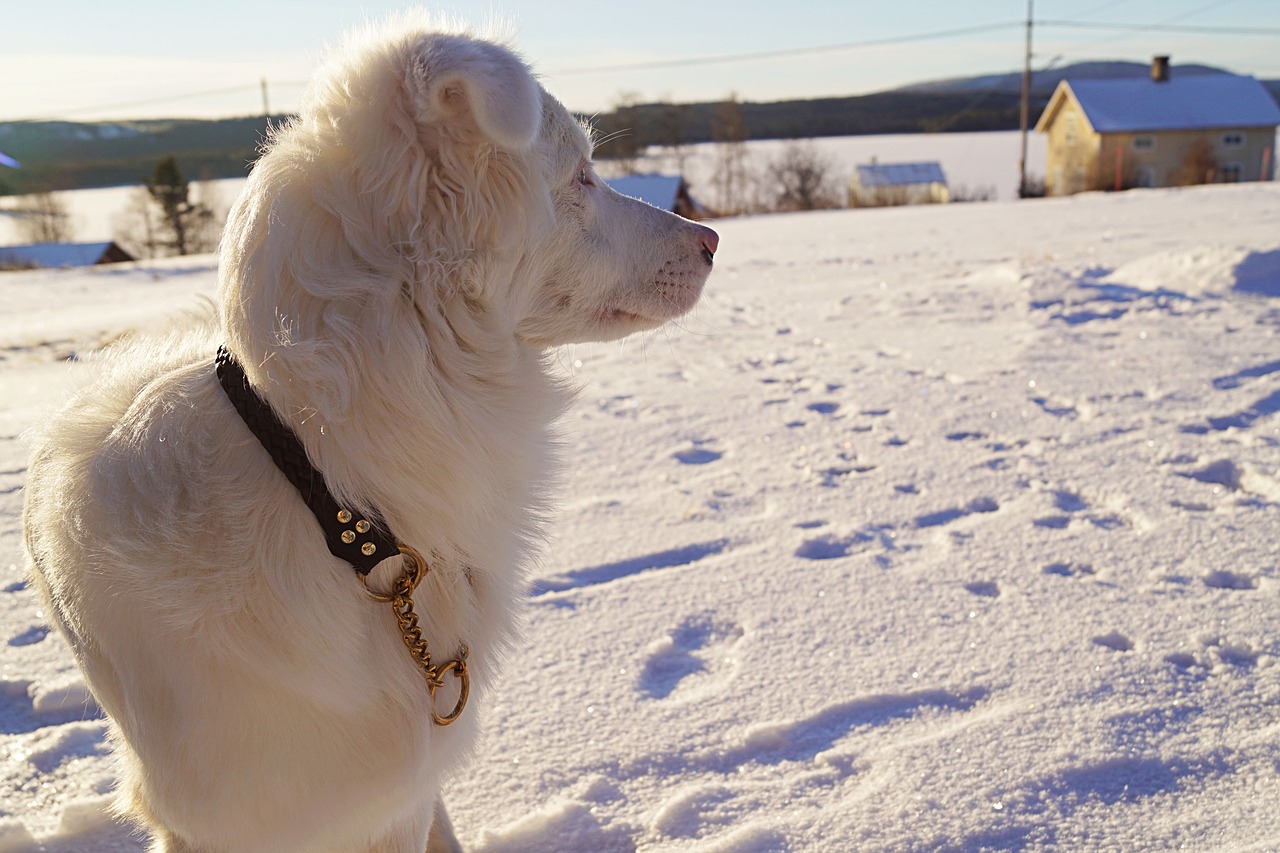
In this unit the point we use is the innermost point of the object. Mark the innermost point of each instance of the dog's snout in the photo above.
(710, 242)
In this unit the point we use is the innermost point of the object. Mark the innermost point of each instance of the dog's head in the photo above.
(431, 169)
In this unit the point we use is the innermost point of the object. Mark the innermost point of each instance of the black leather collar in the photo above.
(363, 541)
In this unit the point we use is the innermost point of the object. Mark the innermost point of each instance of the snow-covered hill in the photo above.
(947, 528)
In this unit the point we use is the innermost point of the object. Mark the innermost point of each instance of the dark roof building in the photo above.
(62, 255)
(667, 192)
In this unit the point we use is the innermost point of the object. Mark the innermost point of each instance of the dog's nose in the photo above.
(710, 242)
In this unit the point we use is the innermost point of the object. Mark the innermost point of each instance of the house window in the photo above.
(1233, 140)
(1147, 176)
(1232, 173)
(1072, 131)
(1144, 143)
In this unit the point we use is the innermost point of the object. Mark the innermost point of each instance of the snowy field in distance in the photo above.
(944, 528)
(972, 160)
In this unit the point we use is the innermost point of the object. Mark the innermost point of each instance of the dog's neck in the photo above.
(434, 440)
(360, 537)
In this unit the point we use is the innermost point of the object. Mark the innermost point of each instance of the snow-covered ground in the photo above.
(946, 528)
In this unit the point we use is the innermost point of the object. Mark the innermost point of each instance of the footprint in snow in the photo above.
(807, 738)
(30, 637)
(27, 707)
(827, 547)
(697, 455)
(1066, 502)
(610, 572)
(1224, 383)
(1069, 502)
(985, 589)
(1230, 580)
(1069, 570)
(830, 477)
(1115, 641)
(699, 651)
(946, 516)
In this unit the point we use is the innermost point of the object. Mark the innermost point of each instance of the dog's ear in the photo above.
(485, 84)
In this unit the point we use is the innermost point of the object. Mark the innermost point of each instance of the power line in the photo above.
(1104, 7)
(780, 54)
(149, 102)
(753, 56)
(1170, 28)
(1129, 34)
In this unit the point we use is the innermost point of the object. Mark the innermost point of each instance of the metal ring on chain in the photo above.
(414, 571)
(459, 669)
(401, 600)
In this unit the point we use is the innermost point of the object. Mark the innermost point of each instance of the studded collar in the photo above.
(361, 540)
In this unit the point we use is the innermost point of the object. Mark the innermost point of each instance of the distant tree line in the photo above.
(68, 155)
(636, 126)
(59, 155)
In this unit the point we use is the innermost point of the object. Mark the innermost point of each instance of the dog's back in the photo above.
(400, 262)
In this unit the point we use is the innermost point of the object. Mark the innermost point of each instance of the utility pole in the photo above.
(1026, 108)
(266, 110)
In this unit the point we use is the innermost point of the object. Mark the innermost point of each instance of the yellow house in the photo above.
(1161, 132)
(885, 184)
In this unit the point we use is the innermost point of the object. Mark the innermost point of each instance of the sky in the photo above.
(92, 60)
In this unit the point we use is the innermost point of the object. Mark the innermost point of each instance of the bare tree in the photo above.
(1033, 187)
(729, 132)
(674, 118)
(137, 227)
(43, 218)
(964, 193)
(801, 178)
(618, 141)
(207, 230)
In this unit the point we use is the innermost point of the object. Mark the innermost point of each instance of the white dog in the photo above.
(401, 260)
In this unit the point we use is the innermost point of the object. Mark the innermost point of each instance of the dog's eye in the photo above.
(584, 177)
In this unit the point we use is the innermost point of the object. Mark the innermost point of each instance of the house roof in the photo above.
(1190, 102)
(62, 255)
(661, 191)
(900, 174)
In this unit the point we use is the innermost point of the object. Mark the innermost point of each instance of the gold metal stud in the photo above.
(348, 536)
(362, 526)
(368, 548)
(344, 516)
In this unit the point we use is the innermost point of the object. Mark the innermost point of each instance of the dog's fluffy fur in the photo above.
(404, 255)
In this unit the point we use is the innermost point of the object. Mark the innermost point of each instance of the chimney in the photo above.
(1160, 69)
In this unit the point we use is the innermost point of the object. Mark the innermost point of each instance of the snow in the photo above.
(938, 528)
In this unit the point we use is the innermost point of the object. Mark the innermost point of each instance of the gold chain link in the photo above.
(401, 601)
